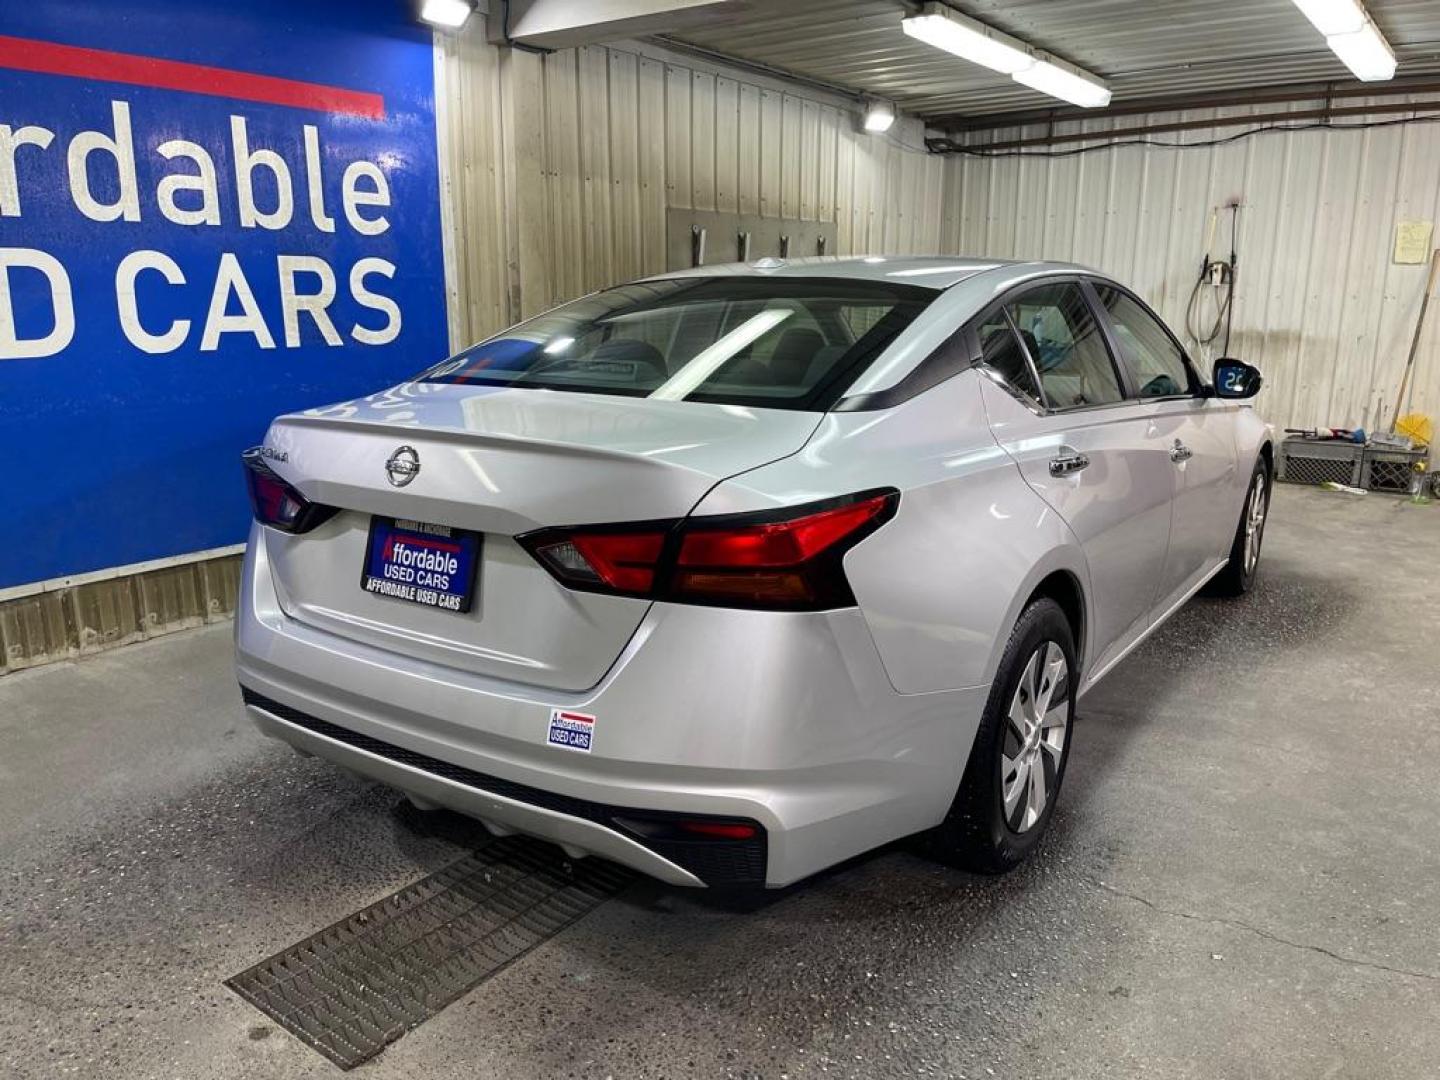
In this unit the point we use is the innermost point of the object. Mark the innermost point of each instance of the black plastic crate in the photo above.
(1389, 468)
(1319, 461)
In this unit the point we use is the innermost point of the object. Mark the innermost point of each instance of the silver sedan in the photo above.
(731, 574)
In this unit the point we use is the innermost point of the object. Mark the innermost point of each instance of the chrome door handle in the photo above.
(1180, 452)
(1066, 464)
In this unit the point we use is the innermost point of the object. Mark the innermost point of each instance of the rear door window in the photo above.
(793, 343)
(1000, 351)
(1064, 341)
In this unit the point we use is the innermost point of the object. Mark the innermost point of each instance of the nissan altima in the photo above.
(733, 573)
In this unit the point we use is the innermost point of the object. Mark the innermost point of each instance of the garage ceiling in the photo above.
(1145, 48)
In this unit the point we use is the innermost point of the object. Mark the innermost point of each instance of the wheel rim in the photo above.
(1037, 725)
(1254, 524)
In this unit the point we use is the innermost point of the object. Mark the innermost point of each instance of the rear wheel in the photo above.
(1238, 576)
(1011, 781)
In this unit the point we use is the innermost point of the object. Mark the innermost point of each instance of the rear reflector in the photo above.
(675, 828)
(788, 559)
(277, 503)
(717, 830)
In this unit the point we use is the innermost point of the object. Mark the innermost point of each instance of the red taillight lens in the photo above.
(275, 502)
(788, 559)
(781, 543)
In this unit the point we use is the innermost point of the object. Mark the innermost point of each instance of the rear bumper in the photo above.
(592, 828)
(785, 720)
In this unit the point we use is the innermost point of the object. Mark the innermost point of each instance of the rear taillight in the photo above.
(277, 503)
(789, 559)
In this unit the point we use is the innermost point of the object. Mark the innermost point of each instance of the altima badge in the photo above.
(403, 466)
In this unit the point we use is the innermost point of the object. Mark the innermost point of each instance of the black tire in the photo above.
(978, 834)
(1238, 576)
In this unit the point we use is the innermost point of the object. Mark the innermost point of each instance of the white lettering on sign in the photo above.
(230, 281)
(315, 304)
(322, 221)
(120, 147)
(376, 192)
(62, 332)
(129, 269)
(10, 142)
(104, 186)
(203, 181)
(246, 162)
(391, 330)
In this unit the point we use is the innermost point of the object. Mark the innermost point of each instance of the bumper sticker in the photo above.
(570, 730)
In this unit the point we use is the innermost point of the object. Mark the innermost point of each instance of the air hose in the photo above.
(1219, 275)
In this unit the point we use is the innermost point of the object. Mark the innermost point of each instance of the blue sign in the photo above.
(432, 565)
(209, 214)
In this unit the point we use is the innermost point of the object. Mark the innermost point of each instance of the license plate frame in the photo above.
(426, 553)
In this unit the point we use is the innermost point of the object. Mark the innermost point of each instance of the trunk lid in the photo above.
(501, 462)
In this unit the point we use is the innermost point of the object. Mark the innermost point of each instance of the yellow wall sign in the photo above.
(1412, 241)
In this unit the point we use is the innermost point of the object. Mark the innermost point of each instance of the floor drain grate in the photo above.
(356, 987)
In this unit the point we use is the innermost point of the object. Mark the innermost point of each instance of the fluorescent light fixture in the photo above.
(1352, 36)
(1365, 52)
(968, 39)
(1065, 83)
(1333, 16)
(971, 40)
(879, 116)
(451, 14)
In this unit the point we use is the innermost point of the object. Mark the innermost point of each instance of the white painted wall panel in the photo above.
(561, 168)
(1320, 307)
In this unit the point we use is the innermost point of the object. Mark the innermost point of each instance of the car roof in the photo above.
(927, 271)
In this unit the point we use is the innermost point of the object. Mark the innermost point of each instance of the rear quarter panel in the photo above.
(942, 584)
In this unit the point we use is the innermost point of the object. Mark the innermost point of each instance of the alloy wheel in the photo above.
(1254, 523)
(1037, 725)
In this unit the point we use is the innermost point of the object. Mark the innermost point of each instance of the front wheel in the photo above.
(1238, 576)
(1011, 781)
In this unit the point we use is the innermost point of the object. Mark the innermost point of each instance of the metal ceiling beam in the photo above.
(1428, 108)
(758, 67)
(567, 24)
(1309, 91)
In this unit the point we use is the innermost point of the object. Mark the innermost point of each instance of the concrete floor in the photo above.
(1243, 877)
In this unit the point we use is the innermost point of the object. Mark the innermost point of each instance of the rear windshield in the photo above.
(774, 342)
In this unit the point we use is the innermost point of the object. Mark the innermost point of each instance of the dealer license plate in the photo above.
(433, 565)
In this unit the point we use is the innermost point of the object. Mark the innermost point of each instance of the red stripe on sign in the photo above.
(579, 718)
(48, 58)
(427, 542)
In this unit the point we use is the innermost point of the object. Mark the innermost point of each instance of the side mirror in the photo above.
(1236, 379)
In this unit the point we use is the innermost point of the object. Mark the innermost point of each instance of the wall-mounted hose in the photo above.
(1219, 275)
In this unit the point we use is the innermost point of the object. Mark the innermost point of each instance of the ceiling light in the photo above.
(1365, 52)
(1352, 36)
(967, 39)
(971, 40)
(879, 115)
(1333, 16)
(451, 14)
(1065, 83)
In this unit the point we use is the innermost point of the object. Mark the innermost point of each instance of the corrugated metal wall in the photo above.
(561, 168)
(1320, 307)
(74, 621)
